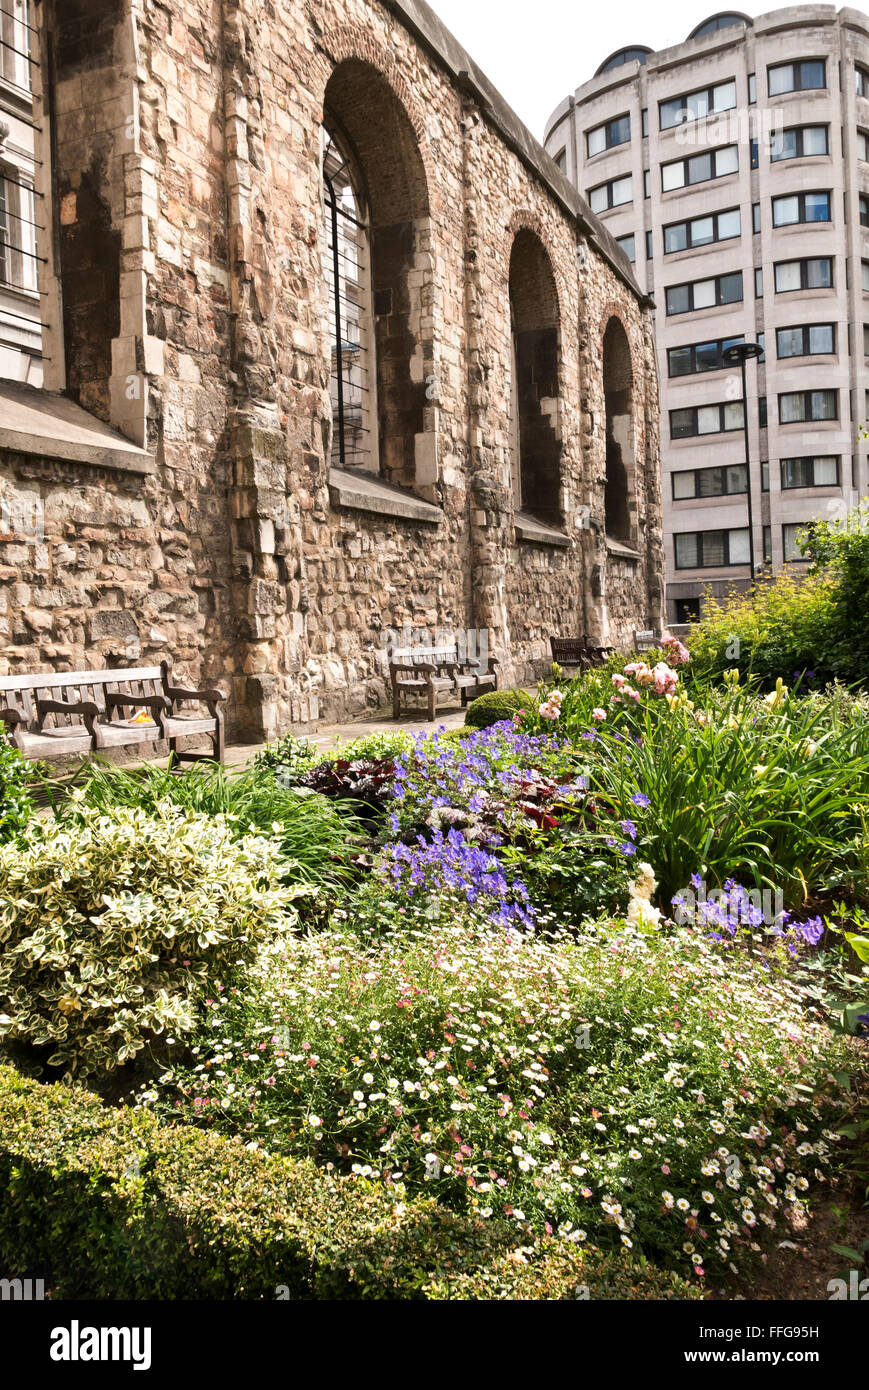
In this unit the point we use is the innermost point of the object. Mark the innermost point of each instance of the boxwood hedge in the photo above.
(105, 1202)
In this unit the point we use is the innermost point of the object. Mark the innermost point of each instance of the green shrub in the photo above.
(840, 550)
(316, 836)
(16, 803)
(111, 929)
(496, 705)
(604, 1085)
(109, 1204)
(388, 743)
(781, 628)
(288, 753)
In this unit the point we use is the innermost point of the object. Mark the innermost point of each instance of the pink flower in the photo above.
(633, 694)
(619, 681)
(598, 714)
(633, 668)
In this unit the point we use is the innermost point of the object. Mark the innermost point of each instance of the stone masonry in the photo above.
(185, 303)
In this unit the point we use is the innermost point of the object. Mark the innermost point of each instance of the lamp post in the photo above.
(742, 353)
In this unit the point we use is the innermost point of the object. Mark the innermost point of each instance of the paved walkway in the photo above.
(330, 735)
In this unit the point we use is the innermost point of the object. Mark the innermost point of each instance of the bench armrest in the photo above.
(11, 717)
(209, 697)
(414, 668)
(86, 708)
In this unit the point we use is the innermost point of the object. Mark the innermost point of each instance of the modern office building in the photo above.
(20, 322)
(734, 170)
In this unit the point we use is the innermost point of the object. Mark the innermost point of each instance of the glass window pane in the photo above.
(783, 145)
(781, 79)
(700, 168)
(707, 356)
(823, 405)
(812, 75)
(704, 294)
(864, 271)
(683, 485)
(736, 477)
(821, 337)
(672, 175)
(739, 547)
(731, 288)
(862, 145)
(787, 276)
(675, 237)
(681, 423)
(726, 161)
(713, 548)
(671, 113)
(729, 224)
(708, 419)
(622, 191)
(724, 96)
(789, 536)
(679, 361)
(790, 407)
(710, 482)
(686, 550)
(620, 130)
(817, 207)
(679, 299)
(814, 139)
(627, 244)
(597, 140)
(733, 415)
(790, 342)
(826, 472)
(597, 199)
(785, 211)
(697, 105)
(702, 231)
(819, 273)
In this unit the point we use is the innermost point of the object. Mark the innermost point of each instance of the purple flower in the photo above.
(810, 931)
(628, 828)
(627, 848)
(640, 799)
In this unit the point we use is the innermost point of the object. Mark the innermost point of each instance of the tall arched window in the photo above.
(380, 270)
(534, 405)
(618, 380)
(352, 380)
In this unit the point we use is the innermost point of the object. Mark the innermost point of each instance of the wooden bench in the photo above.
(53, 715)
(435, 672)
(578, 651)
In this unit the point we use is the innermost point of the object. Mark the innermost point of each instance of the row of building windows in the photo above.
(822, 470)
(794, 407)
(721, 549)
(808, 75)
(800, 340)
(726, 225)
(787, 209)
(811, 273)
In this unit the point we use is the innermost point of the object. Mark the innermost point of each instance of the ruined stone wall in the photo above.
(240, 554)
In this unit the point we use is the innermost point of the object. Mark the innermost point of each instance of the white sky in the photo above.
(537, 51)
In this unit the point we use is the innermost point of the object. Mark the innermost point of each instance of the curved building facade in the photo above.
(734, 171)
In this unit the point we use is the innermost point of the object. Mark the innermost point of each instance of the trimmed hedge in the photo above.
(496, 705)
(106, 1203)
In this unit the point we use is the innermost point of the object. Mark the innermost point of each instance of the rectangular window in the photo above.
(810, 75)
(711, 549)
(758, 283)
(800, 207)
(752, 89)
(796, 407)
(644, 119)
(813, 274)
(862, 81)
(863, 209)
(699, 168)
(822, 471)
(561, 160)
(18, 259)
(761, 412)
(704, 294)
(692, 421)
(789, 532)
(767, 545)
(611, 195)
(797, 142)
(604, 137)
(864, 273)
(710, 482)
(806, 340)
(15, 31)
(866, 340)
(764, 477)
(699, 357)
(695, 105)
(647, 183)
(628, 245)
(755, 218)
(702, 231)
(649, 247)
(862, 145)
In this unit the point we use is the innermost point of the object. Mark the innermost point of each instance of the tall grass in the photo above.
(319, 838)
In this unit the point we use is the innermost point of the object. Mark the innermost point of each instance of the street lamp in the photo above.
(742, 353)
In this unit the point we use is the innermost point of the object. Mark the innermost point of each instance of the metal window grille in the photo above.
(347, 242)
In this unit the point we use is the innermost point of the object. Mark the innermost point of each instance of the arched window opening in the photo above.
(381, 280)
(618, 382)
(352, 383)
(535, 433)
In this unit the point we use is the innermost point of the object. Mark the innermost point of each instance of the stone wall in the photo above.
(197, 199)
